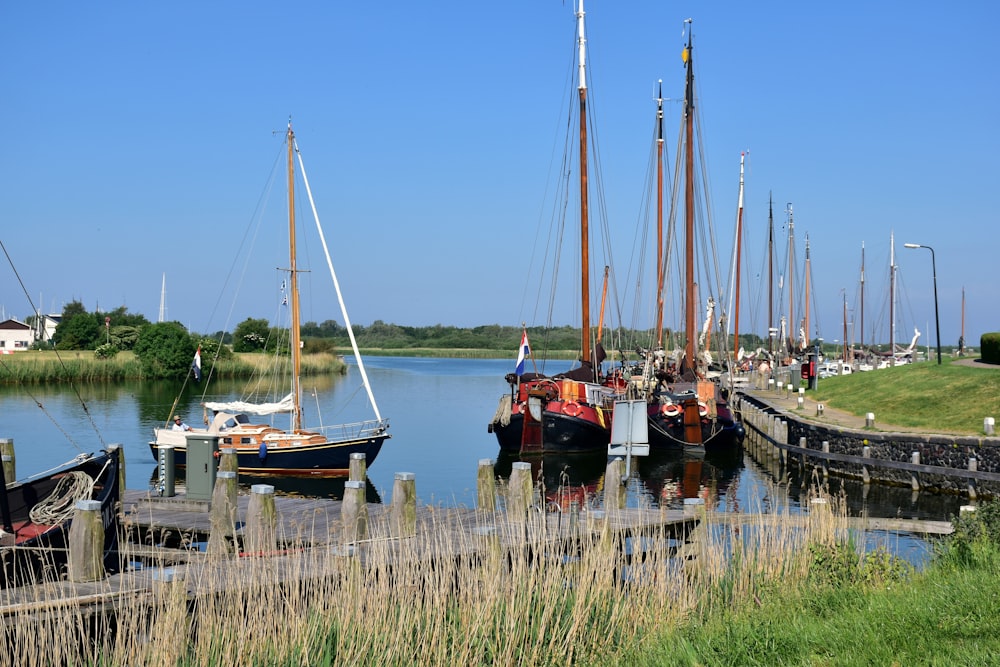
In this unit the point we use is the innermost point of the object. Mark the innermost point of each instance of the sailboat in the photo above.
(686, 409)
(569, 412)
(262, 448)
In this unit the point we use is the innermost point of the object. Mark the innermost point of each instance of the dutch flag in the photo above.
(523, 353)
(196, 365)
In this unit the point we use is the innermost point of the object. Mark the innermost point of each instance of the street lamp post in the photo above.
(937, 320)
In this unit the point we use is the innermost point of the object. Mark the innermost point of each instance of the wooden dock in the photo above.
(312, 544)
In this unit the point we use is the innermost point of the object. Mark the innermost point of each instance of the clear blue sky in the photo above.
(138, 138)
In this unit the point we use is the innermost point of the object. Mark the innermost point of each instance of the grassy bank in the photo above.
(38, 367)
(950, 398)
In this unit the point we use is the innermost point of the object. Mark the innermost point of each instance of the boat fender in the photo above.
(702, 409)
(571, 408)
(670, 410)
(262, 453)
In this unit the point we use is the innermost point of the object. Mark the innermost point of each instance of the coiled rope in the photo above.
(59, 506)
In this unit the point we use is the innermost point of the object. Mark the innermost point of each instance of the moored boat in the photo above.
(37, 513)
(571, 411)
(261, 447)
(687, 408)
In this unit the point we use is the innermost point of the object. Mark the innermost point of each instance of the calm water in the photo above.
(439, 409)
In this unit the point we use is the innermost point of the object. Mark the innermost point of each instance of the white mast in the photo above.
(163, 299)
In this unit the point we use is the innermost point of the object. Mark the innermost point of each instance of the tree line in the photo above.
(166, 349)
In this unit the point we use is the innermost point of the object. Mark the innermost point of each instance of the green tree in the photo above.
(124, 337)
(78, 329)
(251, 335)
(165, 350)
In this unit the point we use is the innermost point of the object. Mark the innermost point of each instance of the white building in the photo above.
(15, 336)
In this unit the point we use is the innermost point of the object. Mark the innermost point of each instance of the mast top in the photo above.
(582, 48)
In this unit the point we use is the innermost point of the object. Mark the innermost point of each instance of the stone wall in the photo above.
(947, 452)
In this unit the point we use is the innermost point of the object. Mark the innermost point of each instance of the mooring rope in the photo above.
(502, 415)
(59, 506)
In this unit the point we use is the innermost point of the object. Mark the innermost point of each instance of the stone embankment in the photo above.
(852, 446)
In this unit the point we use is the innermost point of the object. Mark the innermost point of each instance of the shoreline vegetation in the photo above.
(48, 366)
(899, 396)
(774, 590)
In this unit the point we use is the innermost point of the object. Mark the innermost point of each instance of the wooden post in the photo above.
(819, 409)
(614, 487)
(86, 542)
(988, 425)
(354, 511)
(820, 520)
(692, 553)
(914, 481)
(826, 449)
(404, 505)
(973, 466)
(117, 449)
(260, 536)
(359, 467)
(222, 517)
(870, 420)
(866, 452)
(9, 460)
(519, 491)
(228, 460)
(486, 486)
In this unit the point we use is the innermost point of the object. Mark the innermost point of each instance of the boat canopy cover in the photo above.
(284, 405)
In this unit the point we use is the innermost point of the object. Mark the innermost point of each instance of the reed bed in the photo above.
(452, 594)
(49, 367)
(34, 367)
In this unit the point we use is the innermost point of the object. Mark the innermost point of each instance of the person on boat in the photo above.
(179, 425)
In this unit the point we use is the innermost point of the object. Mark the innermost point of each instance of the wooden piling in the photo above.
(973, 467)
(486, 486)
(359, 467)
(9, 460)
(354, 511)
(223, 515)
(228, 461)
(519, 491)
(404, 505)
(914, 481)
(614, 486)
(116, 448)
(86, 542)
(866, 452)
(260, 531)
(826, 450)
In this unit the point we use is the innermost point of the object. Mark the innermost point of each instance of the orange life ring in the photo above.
(571, 408)
(670, 410)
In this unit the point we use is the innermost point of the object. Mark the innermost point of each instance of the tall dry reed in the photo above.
(471, 589)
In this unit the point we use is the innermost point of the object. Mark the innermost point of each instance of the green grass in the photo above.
(942, 616)
(950, 398)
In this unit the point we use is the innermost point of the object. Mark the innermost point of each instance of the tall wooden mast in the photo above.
(584, 214)
(791, 279)
(659, 215)
(690, 325)
(294, 286)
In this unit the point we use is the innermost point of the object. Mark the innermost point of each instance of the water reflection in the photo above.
(663, 479)
(331, 488)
